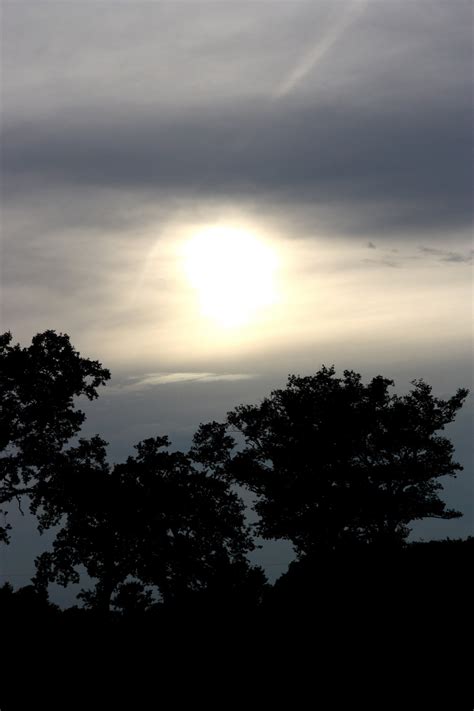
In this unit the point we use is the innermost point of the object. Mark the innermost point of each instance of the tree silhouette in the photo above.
(38, 416)
(26, 603)
(156, 520)
(333, 461)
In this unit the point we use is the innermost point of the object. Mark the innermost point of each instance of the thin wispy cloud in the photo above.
(445, 255)
(322, 48)
(382, 262)
(150, 380)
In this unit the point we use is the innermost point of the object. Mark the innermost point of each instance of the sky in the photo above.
(208, 196)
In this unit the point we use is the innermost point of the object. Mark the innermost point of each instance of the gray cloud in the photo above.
(444, 255)
(376, 134)
(341, 156)
(405, 257)
(384, 261)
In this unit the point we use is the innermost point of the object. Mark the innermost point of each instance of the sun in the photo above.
(233, 273)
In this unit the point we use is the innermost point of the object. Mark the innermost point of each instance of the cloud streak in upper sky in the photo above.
(332, 36)
(377, 140)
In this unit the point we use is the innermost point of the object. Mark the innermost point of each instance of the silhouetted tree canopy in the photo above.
(157, 518)
(38, 416)
(333, 461)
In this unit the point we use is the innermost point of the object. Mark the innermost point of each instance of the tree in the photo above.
(159, 520)
(333, 461)
(38, 416)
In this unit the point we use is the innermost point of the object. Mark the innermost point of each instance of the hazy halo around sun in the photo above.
(233, 273)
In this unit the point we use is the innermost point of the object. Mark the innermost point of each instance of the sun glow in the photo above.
(233, 273)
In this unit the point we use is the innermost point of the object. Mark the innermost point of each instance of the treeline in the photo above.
(337, 467)
(420, 576)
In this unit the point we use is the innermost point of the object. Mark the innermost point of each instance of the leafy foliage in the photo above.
(38, 416)
(333, 461)
(156, 519)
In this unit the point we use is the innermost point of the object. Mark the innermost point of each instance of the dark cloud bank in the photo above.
(402, 168)
(377, 132)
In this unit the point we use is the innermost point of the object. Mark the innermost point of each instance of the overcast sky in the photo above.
(336, 134)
